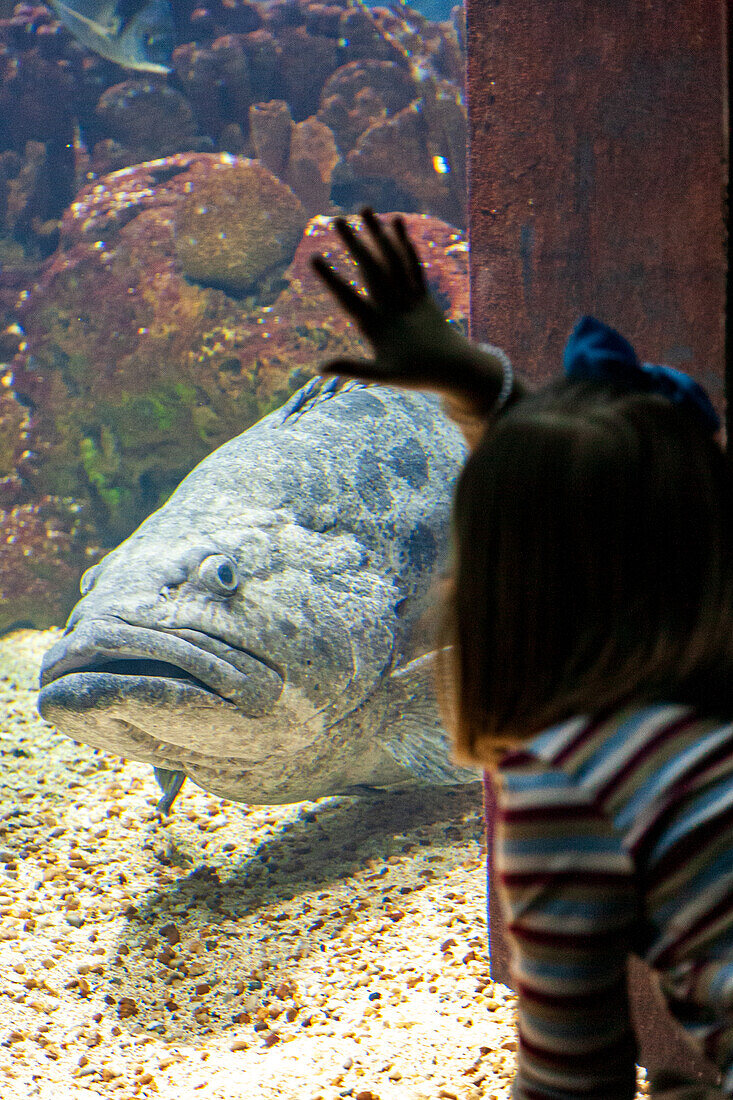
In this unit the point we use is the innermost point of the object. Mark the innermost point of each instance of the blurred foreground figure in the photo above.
(591, 622)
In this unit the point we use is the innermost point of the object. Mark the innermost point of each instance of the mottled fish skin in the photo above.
(263, 631)
(136, 34)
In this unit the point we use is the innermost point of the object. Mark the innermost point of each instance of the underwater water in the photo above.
(166, 171)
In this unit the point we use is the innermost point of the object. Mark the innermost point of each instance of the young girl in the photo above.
(591, 622)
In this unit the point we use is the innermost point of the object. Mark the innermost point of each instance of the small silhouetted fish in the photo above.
(137, 34)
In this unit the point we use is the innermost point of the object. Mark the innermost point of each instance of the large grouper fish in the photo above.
(264, 632)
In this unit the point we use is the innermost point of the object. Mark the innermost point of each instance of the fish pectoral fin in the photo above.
(170, 783)
(412, 730)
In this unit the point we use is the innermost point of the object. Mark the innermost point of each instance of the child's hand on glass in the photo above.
(413, 344)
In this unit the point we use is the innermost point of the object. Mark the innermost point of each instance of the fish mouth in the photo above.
(105, 658)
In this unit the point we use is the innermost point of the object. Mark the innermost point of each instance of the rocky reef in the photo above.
(130, 359)
(344, 103)
(155, 293)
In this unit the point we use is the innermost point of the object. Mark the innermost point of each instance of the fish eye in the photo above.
(219, 575)
(86, 583)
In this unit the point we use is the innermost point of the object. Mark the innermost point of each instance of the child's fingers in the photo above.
(383, 242)
(355, 304)
(371, 270)
(414, 263)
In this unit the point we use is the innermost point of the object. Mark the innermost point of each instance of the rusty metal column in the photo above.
(598, 174)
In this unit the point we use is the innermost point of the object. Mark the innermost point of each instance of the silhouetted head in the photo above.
(592, 529)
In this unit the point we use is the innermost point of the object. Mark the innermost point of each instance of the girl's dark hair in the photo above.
(593, 537)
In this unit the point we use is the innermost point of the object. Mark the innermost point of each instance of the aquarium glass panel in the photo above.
(236, 842)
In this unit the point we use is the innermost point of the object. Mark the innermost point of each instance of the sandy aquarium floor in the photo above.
(329, 949)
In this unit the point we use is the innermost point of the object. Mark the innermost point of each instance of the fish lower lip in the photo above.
(162, 720)
(115, 647)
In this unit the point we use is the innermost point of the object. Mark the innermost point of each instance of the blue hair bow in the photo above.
(597, 353)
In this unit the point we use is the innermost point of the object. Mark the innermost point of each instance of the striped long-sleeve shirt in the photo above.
(615, 834)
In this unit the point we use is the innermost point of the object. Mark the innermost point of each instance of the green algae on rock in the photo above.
(133, 370)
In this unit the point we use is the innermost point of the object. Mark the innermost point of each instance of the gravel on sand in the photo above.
(328, 949)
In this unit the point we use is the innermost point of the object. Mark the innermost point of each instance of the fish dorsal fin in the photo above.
(314, 392)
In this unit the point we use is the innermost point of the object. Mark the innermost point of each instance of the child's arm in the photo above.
(568, 894)
(414, 346)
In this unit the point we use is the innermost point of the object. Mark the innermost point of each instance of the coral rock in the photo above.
(29, 203)
(148, 118)
(14, 419)
(271, 129)
(133, 370)
(232, 67)
(196, 69)
(284, 13)
(421, 151)
(442, 248)
(263, 55)
(241, 16)
(362, 37)
(36, 100)
(324, 19)
(352, 66)
(238, 227)
(306, 61)
(109, 156)
(313, 157)
(232, 139)
(436, 47)
(361, 93)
